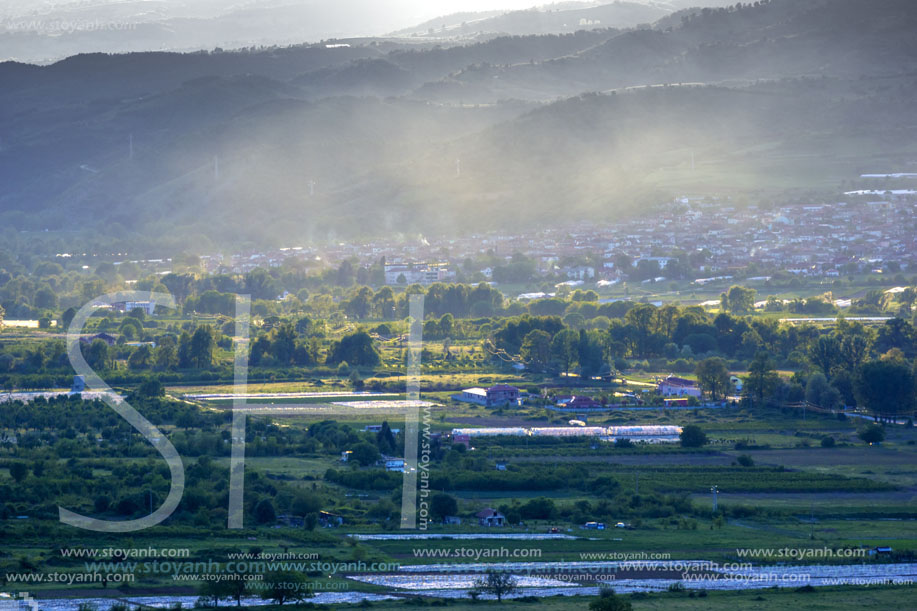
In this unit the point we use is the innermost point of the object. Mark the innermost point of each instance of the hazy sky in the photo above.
(454, 6)
(46, 30)
(389, 13)
(421, 6)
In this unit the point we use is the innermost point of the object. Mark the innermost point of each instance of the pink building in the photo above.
(678, 387)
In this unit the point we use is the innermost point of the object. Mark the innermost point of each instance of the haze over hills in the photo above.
(69, 28)
(401, 136)
(549, 19)
(53, 29)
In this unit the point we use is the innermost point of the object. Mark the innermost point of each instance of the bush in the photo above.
(872, 434)
(827, 442)
(609, 601)
(151, 388)
(692, 436)
(746, 461)
(365, 454)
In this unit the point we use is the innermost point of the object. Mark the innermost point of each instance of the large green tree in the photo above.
(497, 583)
(225, 589)
(97, 355)
(360, 306)
(872, 433)
(283, 344)
(692, 436)
(443, 505)
(201, 347)
(564, 348)
(589, 354)
(356, 349)
(536, 349)
(740, 300)
(885, 388)
(826, 353)
(761, 380)
(365, 454)
(713, 376)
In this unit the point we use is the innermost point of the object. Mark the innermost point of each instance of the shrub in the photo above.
(692, 436)
(872, 434)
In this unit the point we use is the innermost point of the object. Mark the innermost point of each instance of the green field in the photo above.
(823, 599)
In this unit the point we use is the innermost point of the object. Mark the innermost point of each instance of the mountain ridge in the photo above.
(770, 99)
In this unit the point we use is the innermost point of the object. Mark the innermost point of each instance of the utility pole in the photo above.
(714, 490)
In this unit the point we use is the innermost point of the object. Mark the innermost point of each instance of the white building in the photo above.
(148, 307)
(418, 273)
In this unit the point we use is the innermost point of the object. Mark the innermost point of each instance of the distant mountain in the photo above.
(768, 40)
(394, 136)
(50, 30)
(549, 19)
(42, 34)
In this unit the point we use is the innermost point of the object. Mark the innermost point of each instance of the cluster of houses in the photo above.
(867, 229)
(821, 239)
